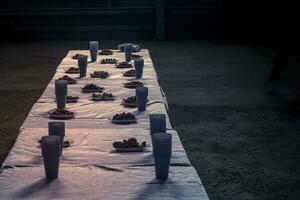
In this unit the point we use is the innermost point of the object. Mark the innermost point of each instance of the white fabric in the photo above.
(91, 146)
(90, 169)
(94, 183)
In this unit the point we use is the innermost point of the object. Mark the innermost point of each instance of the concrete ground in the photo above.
(242, 141)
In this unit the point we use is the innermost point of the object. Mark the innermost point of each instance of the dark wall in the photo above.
(265, 20)
(78, 19)
(120, 19)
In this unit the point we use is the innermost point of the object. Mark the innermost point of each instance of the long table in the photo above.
(90, 169)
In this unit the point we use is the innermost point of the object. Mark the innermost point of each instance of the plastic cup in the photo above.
(61, 87)
(61, 101)
(135, 48)
(61, 90)
(128, 52)
(138, 65)
(82, 65)
(162, 166)
(94, 45)
(141, 97)
(51, 149)
(94, 55)
(157, 123)
(162, 151)
(58, 129)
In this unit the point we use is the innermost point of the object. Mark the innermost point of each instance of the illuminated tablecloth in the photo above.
(90, 169)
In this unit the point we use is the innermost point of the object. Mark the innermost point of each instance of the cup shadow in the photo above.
(29, 190)
(158, 188)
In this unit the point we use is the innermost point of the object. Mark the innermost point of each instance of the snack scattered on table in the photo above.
(123, 65)
(129, 73)
(130, 102)
(106, 52)
(76, 56)
(68, 79)
(102, 97)
(61, 114)
(133, 84)
(72, 99)
(91, 88)
(130, 145)
(108, 61)
(66, 144)
(124, 118)
(100, 74)
(72, 70)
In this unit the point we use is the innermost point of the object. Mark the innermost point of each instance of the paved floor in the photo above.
(242, 141)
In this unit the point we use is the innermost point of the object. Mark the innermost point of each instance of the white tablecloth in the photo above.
(90, 168)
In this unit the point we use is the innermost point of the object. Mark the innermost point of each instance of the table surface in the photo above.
(90, 168)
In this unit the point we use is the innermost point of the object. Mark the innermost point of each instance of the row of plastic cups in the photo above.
(51, 146)
(82, 65)
(61, 91)
(161, 144)
(138, 65)
(141, 94)
(162, 151)
(94, 46)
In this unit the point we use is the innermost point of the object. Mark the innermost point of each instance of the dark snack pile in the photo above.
(105, 52)
(102, 97)
(66, 144)
(124, 118)
(72, 70)
(76, 56)
(100, 74)
(122, 65)
(69, 79)
(92, 88)
(108, 61)
(72, 99)
(136, 56)
(129, 73)
(61, 114)
(130, 100)
(133, 84)
(130, 143)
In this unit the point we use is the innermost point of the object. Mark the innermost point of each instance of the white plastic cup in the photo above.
(58, 129)
(128, 51)
(82, 65)
(157, 123)
(94, 46)
(162, 152)
(61, 90)
(141, 97)
(139, 65)
(51, 149)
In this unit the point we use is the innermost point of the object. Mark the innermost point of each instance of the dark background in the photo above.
(256, 20)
